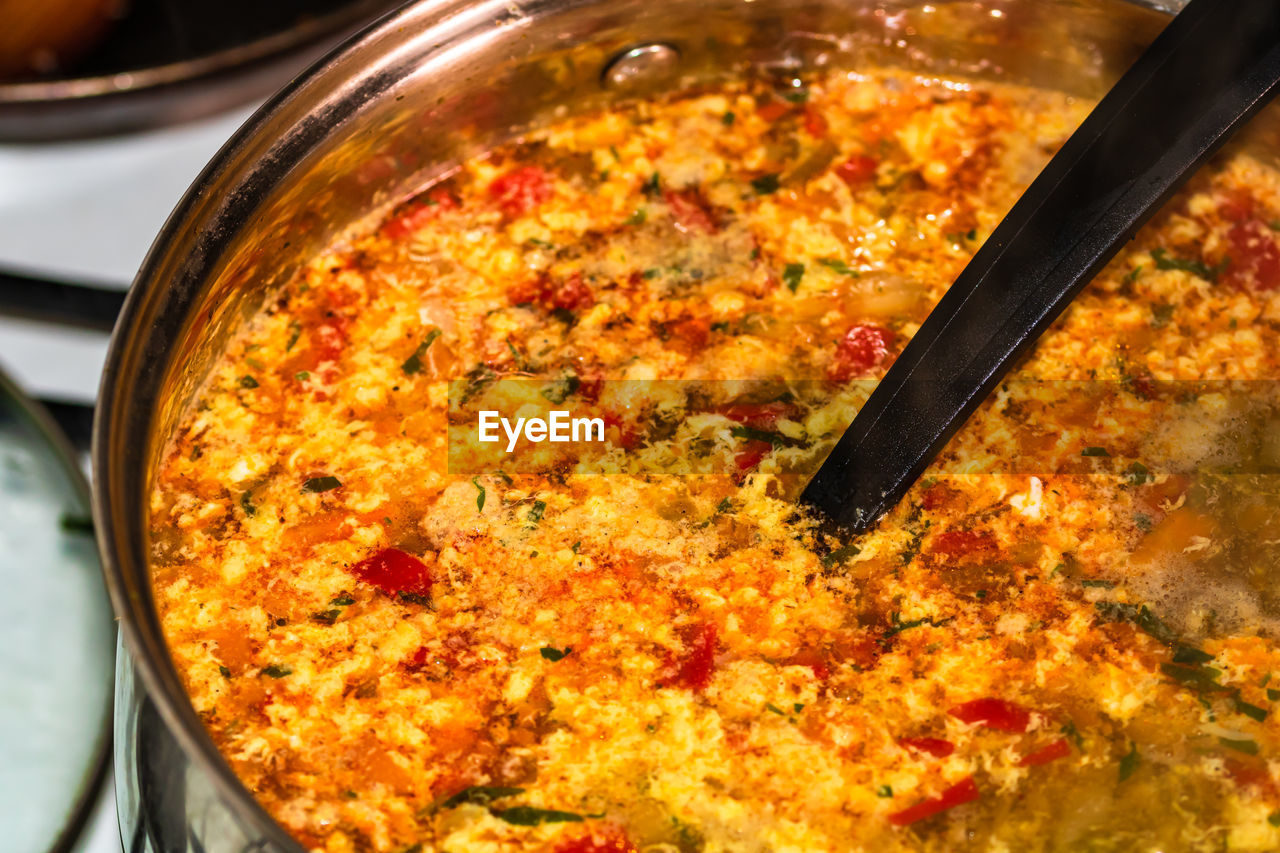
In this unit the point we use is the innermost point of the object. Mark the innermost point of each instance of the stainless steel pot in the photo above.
(400, 104)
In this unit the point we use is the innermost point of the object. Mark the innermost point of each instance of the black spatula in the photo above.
(1211, 68)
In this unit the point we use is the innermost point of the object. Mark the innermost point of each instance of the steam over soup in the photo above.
(1065, 638)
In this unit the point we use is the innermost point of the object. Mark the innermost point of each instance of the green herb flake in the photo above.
(277, 670)
(1191, 656)
(791, 276)
(1160, 316)
(1140, 616)
(1129, 762)
(480, 795)
(560, 390)
(653, 186)
(480, 493)
(1143, 522)
(1196, 268)
(798, 707)
(1137, 474)
(575, 546)
(302, 375)
(838, 266)
(1132, 276)
(1273, 694)
(765, 184)
(840, 555)
(777, 439)
(728, 118)
(1071, 733)
(555, 655)
(1274, 817)
(1253, 712)
(248, 382)
(530, 816)
(316, 485)
(1248, 747)
(638, 217)
(536, 512)
(884, 791)
(769, 706)
(1203, 678)
(327, 617)
(295, 332)
(413, 364)
(343, 601)
(1094, 451)
(246, 503)
(226, 673)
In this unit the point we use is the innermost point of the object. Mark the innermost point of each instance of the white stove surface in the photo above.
(86, 212)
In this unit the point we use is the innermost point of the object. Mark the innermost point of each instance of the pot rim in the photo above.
(328, 86)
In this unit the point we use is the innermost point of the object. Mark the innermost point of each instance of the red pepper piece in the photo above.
(994, 713)
(571, 294)
(1255, 258)
(962, 543)
(521, 191)
(814, 123)
(857, 170)
(751, 455)
(758, 415)
(964, 791)
(935, 746)
(393, 571)
(694, 668)
(773, 110)
(812, 659)
(863, 347)
(1058, 749)
(612, 841)
(419, 213)
(691, 211)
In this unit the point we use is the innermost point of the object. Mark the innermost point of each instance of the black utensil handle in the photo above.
(1211, 68)
(56, 302)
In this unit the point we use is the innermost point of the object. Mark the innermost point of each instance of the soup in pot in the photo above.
(405, 636)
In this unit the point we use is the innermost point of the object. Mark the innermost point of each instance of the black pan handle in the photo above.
(58, 302)
(1211, 68)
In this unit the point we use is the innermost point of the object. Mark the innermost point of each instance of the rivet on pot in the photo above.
(641, 66)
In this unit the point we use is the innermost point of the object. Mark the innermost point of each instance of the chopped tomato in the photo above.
(691, 211)
(1237, 207)
(392, 571)
(857, 170)
(773, 110)
(1252, 774)
(961, 543)
(937, 496)
(863, 347)
(1060, 748)
(568, 294)
(693, 669)
(812, 659)
(758, 415)
(521, 191)
(628, 436)
(418, 213)
(1254, 256)
(964, 791)
(751, 455)
(994, 713)
(935, 746)
(612, 841)
(571, 294)
(814, 123)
